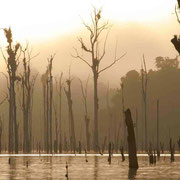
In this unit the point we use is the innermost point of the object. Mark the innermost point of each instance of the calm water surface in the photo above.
(97, 167)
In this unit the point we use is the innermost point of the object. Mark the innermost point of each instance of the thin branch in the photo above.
(79, 57)
(104, 48)
(83, 46)
(112, 63)
(3, 100)
(177, 14)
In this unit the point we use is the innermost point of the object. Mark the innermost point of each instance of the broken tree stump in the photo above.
(133, 163)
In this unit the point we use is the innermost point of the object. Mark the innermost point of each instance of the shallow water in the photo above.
(97, 167)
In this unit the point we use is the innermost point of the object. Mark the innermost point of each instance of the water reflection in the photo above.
(132, 173)
(95, 167)
(12, 167)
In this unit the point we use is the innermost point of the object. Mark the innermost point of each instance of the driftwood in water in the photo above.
(133, 163)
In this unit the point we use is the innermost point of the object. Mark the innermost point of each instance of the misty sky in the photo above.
(52, 26)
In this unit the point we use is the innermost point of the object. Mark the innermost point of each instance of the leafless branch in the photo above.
(104, 48)
(177, 14)
(4, 100)
(6, 78)
(112, 63)
(80, 57)
(83, 46)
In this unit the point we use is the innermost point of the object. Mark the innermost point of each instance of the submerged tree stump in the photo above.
(133, 163)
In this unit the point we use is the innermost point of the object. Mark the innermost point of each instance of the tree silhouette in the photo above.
(94, 50)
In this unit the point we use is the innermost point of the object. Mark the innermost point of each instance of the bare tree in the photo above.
(12, 62)
(96, 31)
(110, 116)
(60, 112)
(47, 81)
(44, 79)
(27, 83)
(71, 116)
(144, 81)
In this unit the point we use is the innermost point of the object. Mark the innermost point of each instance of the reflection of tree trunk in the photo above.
(131, 140)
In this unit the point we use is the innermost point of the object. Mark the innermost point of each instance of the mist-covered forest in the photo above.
(60, 113)
(163, 85)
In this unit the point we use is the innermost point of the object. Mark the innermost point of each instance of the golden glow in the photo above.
(40, 19)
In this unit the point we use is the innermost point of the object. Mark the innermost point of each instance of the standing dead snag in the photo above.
(158, 149)
(60, 112)
(12, 63)
(44, 78)
(171, 149)
(27, 84)
(110, 117)
(47, 81)
(95, 33)
(86, 118)
(133, 163)
(71, 116)
(144, 81)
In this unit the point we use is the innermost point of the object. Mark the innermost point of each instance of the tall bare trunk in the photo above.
(71, 116)
(96, 134)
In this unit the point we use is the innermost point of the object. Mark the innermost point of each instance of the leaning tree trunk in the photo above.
(133, 163)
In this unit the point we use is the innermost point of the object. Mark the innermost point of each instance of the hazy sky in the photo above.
(52, 26)
(48, 18)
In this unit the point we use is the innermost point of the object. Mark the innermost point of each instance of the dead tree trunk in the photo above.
(158, 149)
(109, 118)
(27, 83)
(50, 101)
(12, 63)
(60, 113)
(86, 118)
(144, 80)
(95, 32)
(47, 81)
(71, 116)
(133, 163)
(171, 149)
(137, 128)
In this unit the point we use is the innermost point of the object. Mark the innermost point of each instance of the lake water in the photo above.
(97, 167)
